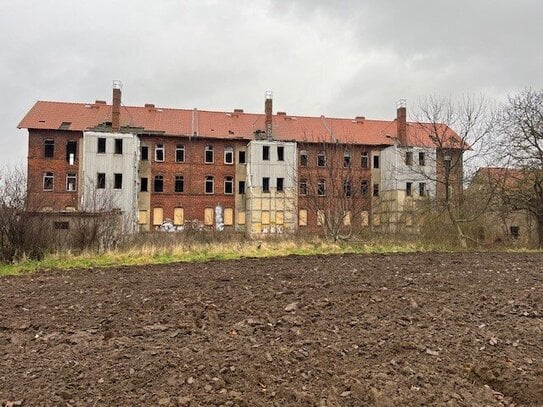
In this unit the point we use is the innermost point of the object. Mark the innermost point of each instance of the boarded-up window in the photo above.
(279, 217)
(241, 218)
(208, 216)
(142, 217)
(158, 216)
(364, 218)
(320, 217)
(376, 219)
(178, 216)
(302, 217)
(347, 219)
(265, 217)
(228, 216)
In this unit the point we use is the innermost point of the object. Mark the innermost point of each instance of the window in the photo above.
(422, 159)
(159, 184)
(65, 125)
(61, 225)
(265, 220)
(49, 148)
(376, 161)
(280, 153)
(228, 185)
(321, 217)
(118, 181)
(118, 146)
(209, 215)
(144, 150)
(178, 216)
(364, 187)
(101, 180)
(302, 217)
(158, 216)
(409, 188)
(228, 155)
(209, 186)
(280, 184)
(71, 182)
(347, 188)
(180, 153)
(409, 158)
(422, 188)
(48, 181)
(346, 159)
(71, 151)
(159, 152)
(347, 218)
(208, 154)
(279, 218)
(241, 218)
(321, 187)
(447, 162)
(241, 187)
(228, 216)
(241, 157)
(265, 184)
(265, 153)
(375, 189)
(303, 158)
(142, 217)
(515, 231)
(364, 160)
(321, 159)
(144, 184)
(303, 187)
(179, 183)
(101, 145)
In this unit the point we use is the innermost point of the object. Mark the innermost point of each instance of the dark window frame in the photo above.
(118, 146)
(266, 184)
(179, 184)
(117, 181)
(280, 184)
(228, 185)
(49, 148)
(100, 180)
(180, 153)
(101, 145)
(158, 184)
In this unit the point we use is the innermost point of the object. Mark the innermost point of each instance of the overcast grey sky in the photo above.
(337, 58)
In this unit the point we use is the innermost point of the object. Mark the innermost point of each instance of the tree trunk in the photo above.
(540, 231)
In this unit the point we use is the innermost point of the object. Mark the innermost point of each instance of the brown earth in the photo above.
(399, 330)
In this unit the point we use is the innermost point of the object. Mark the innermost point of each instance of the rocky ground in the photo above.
(398, 330)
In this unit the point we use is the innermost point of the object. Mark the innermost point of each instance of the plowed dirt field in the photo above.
(398, 330)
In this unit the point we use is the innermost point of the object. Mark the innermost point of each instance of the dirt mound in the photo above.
(401, 330)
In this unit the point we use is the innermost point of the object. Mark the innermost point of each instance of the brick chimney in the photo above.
(116, 108)
(401, 121)
(269, 111)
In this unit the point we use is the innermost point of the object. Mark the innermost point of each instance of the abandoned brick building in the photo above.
(244, 171)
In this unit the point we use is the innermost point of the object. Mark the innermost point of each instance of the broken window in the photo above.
(364, 187)
(144, 153)
(71, 150)
(408, 158)
(265, 153)
(409, 188)
(303, 158)
(48, 181)
(241, 187)
(159, 152)
(101, 180)
(71, 182)
(101, 147)
(241, 157)
(280, 153)
(422, 159)
(209, 185)
(375, 189)
(347, 188)
(159, 183)
(422, 189)
(321, 159)
(117, 181)
(179, 183)
(303, 187)
(228, 155)
(118, 146)
(266, 184)
(321, 187)
(144, 184)
(228, 185)
(515, 231)
(180, 153)
(49, 148)
(375, 161)
(280, 184)
(346, 159)
(364, 159)
(208, 154)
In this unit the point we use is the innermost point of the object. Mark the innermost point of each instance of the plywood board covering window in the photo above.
(158, 216)
(208, 216)
(241, 218)
(320, 217)
(279, 217)
(347, 219)
(142, 217)
(178, 216)
(302, 217)
(265, 217)
(228, 217)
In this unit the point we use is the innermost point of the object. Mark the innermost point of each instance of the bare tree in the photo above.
(521, 128)
(460, 133)
(333, 187)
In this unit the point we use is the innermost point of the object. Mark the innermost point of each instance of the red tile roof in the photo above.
(229, 125)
